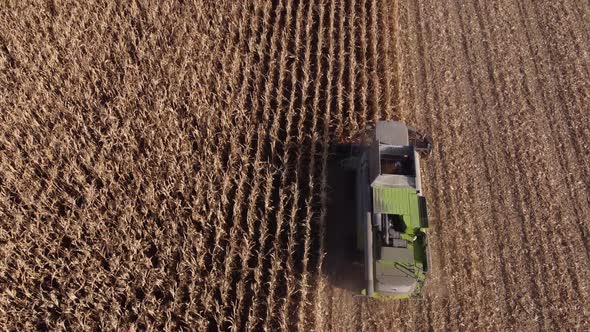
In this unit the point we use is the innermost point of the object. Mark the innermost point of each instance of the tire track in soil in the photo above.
(571, 38)
(567, 160)
(582, 85)
(574, 92)
(581, 11)
(572, 81)
(579, 278)
(511, 277)
(574, 84)
(446, 105)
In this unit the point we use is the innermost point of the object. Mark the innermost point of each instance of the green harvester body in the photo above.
(392, 218)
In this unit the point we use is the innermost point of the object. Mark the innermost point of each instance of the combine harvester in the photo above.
(391, 216)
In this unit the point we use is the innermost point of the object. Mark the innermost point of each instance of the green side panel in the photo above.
(404, 202)
(392, 200)
(414, 217)
(400, 201)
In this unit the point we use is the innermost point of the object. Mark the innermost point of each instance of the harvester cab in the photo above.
(391, 216)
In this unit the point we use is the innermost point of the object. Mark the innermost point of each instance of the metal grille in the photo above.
(398, 242)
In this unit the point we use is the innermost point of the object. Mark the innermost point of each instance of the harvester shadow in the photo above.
(344, 261)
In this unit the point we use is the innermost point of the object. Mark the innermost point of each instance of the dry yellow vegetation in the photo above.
(163, 165)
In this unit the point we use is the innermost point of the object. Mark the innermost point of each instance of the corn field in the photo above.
(164, 165)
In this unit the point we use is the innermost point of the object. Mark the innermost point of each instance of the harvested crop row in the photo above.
(501, 87)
